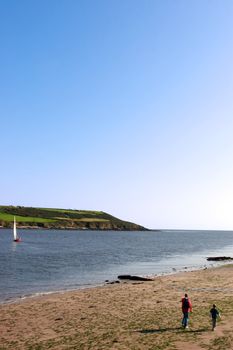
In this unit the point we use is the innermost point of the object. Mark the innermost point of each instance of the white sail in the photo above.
(14, 229)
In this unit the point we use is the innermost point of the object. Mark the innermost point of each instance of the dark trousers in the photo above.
(214, 322)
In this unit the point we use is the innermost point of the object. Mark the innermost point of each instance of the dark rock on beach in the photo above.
(133, 278)
(219, 258)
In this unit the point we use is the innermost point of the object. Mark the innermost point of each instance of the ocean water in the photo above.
(52, 260)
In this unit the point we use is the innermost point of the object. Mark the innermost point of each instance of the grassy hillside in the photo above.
(51, 218)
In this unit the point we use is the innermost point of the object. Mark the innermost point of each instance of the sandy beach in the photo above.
(133, 315)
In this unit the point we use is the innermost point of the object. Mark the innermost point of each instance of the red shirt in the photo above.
(185, 309)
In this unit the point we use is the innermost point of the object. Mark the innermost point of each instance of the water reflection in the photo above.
(13, 246)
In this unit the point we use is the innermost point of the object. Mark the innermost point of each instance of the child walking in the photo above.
(214, 315)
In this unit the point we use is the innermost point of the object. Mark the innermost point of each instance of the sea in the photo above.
(59, 260)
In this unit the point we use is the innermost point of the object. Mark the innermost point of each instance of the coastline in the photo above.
(173, 271)
(132, 315)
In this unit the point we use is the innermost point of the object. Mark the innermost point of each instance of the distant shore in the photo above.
(67, 228)
(133, 315)
(63, 219)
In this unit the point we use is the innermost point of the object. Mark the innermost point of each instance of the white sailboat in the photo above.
(16, 237)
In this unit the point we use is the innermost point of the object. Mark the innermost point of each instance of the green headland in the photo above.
(51, 218)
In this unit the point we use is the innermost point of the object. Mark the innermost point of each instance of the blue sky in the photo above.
(119, 106)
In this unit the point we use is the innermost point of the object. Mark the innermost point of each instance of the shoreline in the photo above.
(39, 294)
(101, 284)
(134, 315)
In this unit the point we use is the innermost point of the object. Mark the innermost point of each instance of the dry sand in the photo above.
(142, 315)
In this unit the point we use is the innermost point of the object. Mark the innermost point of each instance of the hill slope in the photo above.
(51, 218)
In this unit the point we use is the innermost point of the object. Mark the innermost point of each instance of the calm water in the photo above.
(59, 260)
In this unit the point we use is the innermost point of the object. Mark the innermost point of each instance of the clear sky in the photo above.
(123, 106)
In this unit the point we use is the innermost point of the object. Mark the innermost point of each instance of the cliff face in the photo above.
(49, 218)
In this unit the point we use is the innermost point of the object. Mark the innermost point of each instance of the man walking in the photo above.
(214, 315)
(186, 308)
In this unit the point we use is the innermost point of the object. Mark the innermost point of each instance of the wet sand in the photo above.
(132, 315)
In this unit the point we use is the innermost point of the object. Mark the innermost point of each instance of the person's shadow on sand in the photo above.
(175, 330)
